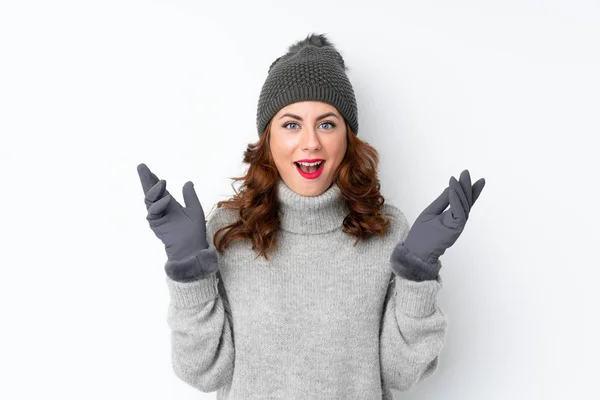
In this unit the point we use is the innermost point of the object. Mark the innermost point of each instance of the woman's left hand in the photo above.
(434, 231)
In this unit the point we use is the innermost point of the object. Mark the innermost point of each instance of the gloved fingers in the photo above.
(147, 178)
(191, 201)
(158, 208)
(454, 185)
(156, 192)
(465, 183)
(438, 205)
(477, 188)
(459, 216)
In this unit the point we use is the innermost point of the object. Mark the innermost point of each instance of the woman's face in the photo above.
(308, 130)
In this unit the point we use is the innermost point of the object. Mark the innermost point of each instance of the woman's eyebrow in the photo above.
(329, 114)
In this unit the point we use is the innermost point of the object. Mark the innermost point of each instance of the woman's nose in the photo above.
(310, 138)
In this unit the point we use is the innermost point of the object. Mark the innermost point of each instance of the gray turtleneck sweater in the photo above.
(320, 319)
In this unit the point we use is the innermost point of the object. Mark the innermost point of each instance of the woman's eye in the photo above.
(288, 124)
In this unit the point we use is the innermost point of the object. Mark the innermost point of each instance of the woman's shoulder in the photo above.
(399, 224)
(218, 218)
(396, 212)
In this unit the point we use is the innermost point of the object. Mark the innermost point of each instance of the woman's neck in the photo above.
(311, 214)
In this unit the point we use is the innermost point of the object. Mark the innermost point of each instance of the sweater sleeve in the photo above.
(199, 316)
(413, 327)
(202, 350)
(412, 333)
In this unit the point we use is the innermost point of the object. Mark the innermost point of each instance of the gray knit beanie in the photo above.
(314, 70)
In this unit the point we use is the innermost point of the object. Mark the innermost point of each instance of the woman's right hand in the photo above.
(182, 230)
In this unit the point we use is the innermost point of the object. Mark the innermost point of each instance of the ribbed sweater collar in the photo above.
(311, 214)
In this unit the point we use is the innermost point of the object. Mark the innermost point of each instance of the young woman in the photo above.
(300, 286)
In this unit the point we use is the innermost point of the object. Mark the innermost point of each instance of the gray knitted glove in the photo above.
(182, 230)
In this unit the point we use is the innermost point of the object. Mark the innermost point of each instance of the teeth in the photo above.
(309, 164)
(309, 167)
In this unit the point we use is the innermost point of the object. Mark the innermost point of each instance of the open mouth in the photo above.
(310, 172)
(309, 169)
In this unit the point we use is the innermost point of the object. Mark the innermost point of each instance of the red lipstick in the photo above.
(311, 175)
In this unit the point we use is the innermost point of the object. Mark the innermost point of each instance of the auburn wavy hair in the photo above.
(258, 207)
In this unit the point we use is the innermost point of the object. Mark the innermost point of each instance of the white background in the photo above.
(89, 89)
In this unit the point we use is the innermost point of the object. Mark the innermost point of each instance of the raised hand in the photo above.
(435, 231)
(182, 230)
